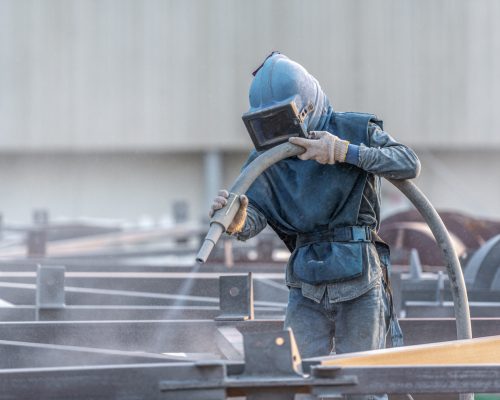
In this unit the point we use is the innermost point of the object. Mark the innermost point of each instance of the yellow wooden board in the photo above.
(458, 352)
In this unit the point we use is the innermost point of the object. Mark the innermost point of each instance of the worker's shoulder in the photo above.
(251, 156)
(353, 114)
(358, 117)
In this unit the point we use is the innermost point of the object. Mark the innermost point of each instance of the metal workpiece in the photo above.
(141, 359)
(16, 355)
(144, 289)
(50, 287)
(268, 372)
(125, 381)
(482, 267)
(236, 298)
(271, 354)
(36, 242)
(415, 379)
(433, 309)
(197, 336)
(40, 217)
(427, 298)
(224, 353)
(272, 357)
(50, 298)
(121, 313)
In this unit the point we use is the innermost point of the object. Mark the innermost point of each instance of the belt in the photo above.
(343, 234)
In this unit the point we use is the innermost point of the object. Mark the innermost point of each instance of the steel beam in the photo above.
(17, 355)
(432, 309)
(217, 379)
(198, 335)
(133, 381)
(195, 336)
(150, 261)
(141, 288)
(192, 336)
(421, 379)
(210, 380)
(423, 330)
(132, 313)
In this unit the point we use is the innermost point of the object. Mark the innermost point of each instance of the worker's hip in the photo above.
(331, 255)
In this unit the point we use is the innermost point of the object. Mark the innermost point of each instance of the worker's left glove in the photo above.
(322, 147)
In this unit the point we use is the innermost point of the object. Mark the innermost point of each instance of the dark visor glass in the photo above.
(273, 126)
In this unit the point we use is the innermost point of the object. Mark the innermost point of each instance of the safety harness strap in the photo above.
(342, 234)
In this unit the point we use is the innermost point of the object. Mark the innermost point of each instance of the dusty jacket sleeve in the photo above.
(386, 157)
(254, 223)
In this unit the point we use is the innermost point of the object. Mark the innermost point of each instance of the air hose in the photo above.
(223, 218)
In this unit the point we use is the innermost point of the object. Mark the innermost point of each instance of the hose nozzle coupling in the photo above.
(218, 225)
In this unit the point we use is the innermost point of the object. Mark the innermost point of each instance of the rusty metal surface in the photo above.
(404, 231)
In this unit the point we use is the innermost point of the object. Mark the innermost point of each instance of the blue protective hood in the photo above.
(280, 80)
(300, 197)
(296, 195)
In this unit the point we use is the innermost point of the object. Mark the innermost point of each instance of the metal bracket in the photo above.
(236, 298)
(49, 291)
(36, 242)
(271, 354)
(415, 265)
(204, 380)
(230, 342)
(327, 379)
(41, 217)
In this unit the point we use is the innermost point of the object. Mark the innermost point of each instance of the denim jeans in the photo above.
(321, 329)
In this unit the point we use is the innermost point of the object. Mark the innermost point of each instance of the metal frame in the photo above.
(195, 336)
(138, 358)
(218, 380)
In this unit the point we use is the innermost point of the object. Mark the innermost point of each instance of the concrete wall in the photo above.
(122, 74)
(133, 186)
(117, 101)
(124, 186)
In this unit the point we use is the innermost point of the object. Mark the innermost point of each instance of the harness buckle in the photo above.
(361, 234)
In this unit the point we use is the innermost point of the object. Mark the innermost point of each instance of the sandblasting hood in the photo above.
(285, 101)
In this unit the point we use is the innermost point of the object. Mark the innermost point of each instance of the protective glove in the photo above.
(322, 147)
(240, 217)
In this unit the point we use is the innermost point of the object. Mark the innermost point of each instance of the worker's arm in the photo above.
(254, 223)
(247, 222)
(384, 156)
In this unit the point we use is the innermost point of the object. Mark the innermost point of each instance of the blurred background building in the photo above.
(125, 108)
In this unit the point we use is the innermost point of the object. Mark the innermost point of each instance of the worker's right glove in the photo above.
(322, 147)
(239, 219)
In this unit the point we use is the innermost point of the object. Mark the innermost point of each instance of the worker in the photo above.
(325, 205)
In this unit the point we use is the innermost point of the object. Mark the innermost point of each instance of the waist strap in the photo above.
(343, 234)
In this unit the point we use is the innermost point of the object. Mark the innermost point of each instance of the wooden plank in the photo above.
(478, 351)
